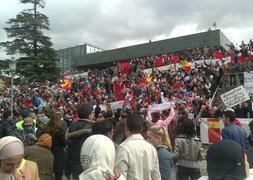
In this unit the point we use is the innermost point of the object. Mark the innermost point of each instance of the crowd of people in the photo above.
(68, 133)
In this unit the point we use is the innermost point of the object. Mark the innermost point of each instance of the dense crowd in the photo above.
(59, 127)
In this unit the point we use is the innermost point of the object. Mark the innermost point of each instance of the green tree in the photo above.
(38, 60)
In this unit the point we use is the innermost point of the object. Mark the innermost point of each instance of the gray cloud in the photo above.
(109, 23)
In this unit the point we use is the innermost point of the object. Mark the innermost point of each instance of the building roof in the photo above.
(205, 39)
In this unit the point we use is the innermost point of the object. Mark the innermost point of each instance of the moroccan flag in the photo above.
(159, 61)
(175, 59)
(232, 56)
(214, 130)
(186, 66)
(28, 103)
(241, 58)
(124, 68)
(117, 90)
(217, 55)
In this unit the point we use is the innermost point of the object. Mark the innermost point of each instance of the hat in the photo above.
(45, 140)
(44, 120)
(229, 109)
(225, 160)
(28, 121)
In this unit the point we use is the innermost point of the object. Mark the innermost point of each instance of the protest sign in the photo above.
(248, 81)
(235, 96)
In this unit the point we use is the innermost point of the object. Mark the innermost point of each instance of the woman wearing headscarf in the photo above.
(12, 164)
(97, 159)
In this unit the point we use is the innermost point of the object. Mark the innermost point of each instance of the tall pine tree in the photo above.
(38, 60)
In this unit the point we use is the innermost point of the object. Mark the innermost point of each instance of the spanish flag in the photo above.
(214, 130)
(149, 77)
(186, 66)
(67, 84)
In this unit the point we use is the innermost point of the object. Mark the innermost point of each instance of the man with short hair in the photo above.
(77, 133)
(136, 158)
(233, 131)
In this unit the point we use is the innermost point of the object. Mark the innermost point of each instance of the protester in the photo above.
(27, 133)
(187, 152)
(136, 158)
(5, 124)
(104, 127)
(42, 125)
(97, 159)
(12, 164)
(119, 132)
(250, 136)
(160, 139)
(77, 133)
(42, 155)
(226, 161)
(156, 120)
(233, 131)
(59, 143)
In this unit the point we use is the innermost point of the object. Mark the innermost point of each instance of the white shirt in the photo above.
(137, 159)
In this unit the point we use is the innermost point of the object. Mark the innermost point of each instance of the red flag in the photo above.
(159, 61)
(124, 68)
(117, 90)
(241, 58)
(175, 59)
(217, 55)
(232, 56)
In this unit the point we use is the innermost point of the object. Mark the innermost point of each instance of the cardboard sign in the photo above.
(235, 96)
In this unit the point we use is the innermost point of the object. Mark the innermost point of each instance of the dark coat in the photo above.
(59, 143)
(75, 144)
(44, 159)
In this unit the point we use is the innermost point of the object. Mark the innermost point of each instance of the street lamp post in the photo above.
(12, 67)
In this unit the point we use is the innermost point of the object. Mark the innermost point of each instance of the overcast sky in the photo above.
(116, 23)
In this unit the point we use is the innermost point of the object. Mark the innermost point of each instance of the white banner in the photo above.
(235, 96)
(171, 67)
(160, 107)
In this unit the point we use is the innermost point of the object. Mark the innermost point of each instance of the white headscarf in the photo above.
(97, 158)
(10, 146)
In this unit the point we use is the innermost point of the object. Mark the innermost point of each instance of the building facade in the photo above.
(66, 55)
(215, 39)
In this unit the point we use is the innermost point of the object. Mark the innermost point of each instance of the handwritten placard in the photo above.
(235, 96)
